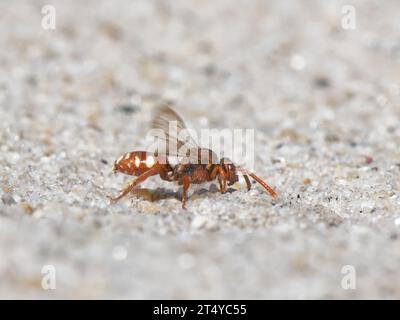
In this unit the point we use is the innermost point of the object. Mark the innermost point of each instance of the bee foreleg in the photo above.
(247, 180)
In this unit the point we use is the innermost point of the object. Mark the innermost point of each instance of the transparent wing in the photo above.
(174, 139)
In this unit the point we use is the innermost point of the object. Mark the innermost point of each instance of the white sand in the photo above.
(325, 104)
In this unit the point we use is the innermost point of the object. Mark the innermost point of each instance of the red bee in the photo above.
(198, 165)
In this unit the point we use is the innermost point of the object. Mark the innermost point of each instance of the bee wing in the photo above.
(171, 132)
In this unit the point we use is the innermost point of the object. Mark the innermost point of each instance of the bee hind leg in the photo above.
(134, 183)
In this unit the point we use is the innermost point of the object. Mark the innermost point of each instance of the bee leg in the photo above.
(134, 183)
(248, 184)
(164, 175)
(186, 184)
(222, 182)
(220, 174)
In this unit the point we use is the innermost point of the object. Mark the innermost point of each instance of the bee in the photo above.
(196, 166)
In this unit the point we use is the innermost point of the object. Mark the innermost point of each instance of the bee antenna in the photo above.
(258, 179)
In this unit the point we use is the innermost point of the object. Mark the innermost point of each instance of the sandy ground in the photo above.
(324, 103)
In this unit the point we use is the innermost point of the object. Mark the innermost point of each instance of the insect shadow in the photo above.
(153, 195)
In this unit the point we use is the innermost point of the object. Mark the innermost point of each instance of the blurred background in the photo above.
(322, 96)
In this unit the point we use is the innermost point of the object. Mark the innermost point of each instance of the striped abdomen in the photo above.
(135, 163)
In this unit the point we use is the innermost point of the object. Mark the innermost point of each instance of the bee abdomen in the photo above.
(135, 163)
